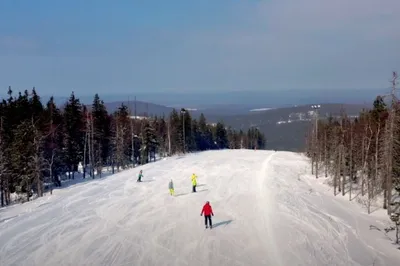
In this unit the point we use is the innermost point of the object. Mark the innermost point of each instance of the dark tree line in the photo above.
(40, 142)
(361, 153)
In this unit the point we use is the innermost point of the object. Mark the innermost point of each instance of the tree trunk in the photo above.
(337, 172)
(326, 153)
(84, 148)
(344, 172)
(118, 148)
(376, 172)
(2, 191)
(369, 196)
(169, 138)
(340, 168)
(8, 196)
(92, 158)
(366, 158)
(351, 162)
(39, 186)
(390, 167)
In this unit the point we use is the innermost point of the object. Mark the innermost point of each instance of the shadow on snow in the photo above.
(78, 180)
(183, 194)
(222, 223)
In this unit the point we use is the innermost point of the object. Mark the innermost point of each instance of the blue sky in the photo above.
(191, 46)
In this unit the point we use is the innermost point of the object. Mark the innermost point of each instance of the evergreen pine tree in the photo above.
(73, 134)
(187, 125)
(121, 137)
(3, 160)
(23, 151)
(149, 142)
(101, 134)
(36, 107)
(176, 132)
(206, 135)
(221, 136)
(162, 136)
(195, 136)
(54, 144)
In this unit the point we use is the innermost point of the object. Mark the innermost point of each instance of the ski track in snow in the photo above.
(264, 215)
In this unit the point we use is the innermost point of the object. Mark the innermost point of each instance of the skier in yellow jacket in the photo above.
(171, 188)
(194, 182)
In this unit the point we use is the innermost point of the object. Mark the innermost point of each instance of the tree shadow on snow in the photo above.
(68, 182)
(222, 223)
(183, 194)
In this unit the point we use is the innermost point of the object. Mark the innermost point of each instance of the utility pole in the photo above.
(2, 190)
(134, 137)
(84, 147)
(135, 108)
(132, 134)
(316, 108)
(183, 112)
(169, 136)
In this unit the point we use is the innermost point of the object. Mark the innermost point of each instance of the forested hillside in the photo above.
(39, 142)
(361, 154)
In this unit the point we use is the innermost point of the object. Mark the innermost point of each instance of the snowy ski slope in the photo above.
(268, 211)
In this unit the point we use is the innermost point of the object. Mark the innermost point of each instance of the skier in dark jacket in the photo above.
(208, 212)
(140, 176)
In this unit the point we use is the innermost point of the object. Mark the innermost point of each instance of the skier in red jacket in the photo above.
(207, 210)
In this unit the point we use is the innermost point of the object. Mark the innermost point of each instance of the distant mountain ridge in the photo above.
(269, 97)
(140, 108)
(284, 127)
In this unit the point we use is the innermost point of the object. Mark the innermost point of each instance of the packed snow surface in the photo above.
(268, 211)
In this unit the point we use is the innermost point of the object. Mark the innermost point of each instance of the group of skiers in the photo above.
(194, 185)
(206, 210)
(171, 183)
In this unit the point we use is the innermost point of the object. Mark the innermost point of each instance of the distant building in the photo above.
(140, 117)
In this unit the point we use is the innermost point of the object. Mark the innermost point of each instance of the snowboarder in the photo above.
(171, 187)
(194, 182)
(140, 176)
(208, 212)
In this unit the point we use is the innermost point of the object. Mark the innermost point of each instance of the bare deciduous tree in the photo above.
(3, 168)
(363, 152)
